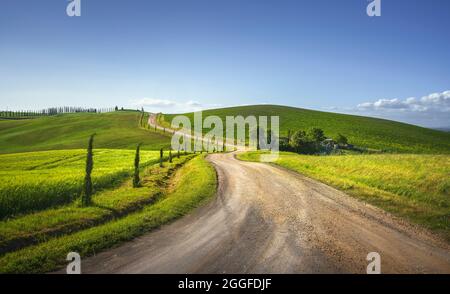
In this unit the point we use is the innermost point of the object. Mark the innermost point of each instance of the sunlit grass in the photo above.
(108, 204)
(38, 180)
(413, 186)
(114, 130)
(193, 184)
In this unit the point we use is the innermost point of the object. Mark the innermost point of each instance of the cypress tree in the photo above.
(141, 121)
(136, 179)
(161, 153)
(87, 193)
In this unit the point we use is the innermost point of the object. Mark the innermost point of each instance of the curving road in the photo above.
(269, 220)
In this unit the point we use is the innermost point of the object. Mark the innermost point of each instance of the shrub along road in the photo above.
(269, 220)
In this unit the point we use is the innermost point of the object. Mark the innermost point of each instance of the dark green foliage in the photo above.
(161, 154)
(87, 193)
(170, 156)
(136, 179)
(307, 142)
(300, 142)
(317, 135)
(341, 139)
(141, 120)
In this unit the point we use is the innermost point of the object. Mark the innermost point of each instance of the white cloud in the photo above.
(170, 106)
(154, 102)
(436, 102)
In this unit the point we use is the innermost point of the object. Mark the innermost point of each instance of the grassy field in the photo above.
(416, 187)
(107, 204)
(38, 180)
(362, 131)
(190, 186)
(42, 168)
(115, 130)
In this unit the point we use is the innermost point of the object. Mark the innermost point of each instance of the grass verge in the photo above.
(192, 184)
(416, 187)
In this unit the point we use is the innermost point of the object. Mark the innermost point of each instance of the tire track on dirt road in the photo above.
(269, 220)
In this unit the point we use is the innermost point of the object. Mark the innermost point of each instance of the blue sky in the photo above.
(175, 55)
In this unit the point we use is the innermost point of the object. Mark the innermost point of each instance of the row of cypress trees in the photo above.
(86, 197)
(52, 111)
(88, 188)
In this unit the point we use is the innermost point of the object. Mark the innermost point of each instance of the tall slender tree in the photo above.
(87, 193)
(161, 154)
(141, 121)
(136, 179)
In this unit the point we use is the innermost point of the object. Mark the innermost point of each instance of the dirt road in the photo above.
(269, 220)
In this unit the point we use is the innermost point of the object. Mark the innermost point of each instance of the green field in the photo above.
(38, 180)
(42, 165)
(361, 131)
(189, 187)
(108, 204)
(115, 130)
(42, 169)
(416, 187)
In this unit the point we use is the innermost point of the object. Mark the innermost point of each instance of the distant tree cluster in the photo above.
(52, 111)
(312, 141)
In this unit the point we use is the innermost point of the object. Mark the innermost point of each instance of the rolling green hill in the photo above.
(361, 131)
(117, 130)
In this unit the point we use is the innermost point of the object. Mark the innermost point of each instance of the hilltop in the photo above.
(367, 132)
(116, 130)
